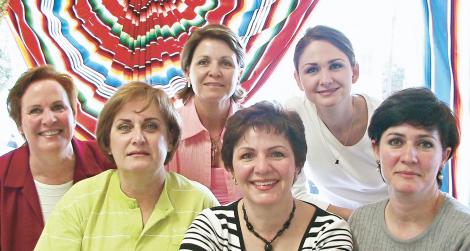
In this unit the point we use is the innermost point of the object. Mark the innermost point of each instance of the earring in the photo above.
(379, 169)
(189, 83)
(235, 181)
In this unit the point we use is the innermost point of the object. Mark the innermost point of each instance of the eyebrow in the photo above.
(145, 120)
(420, 136)
(329, 62)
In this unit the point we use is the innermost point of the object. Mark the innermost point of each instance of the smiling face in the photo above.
(264, 167)
(325, 74)
(138, 139)
(411, 158)
(47, 120)
(214, 71)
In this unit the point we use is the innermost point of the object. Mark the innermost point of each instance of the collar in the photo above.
(191, 124)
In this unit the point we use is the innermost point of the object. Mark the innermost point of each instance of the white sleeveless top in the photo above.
(49, 195)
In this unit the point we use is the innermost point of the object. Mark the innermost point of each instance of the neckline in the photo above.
(436, 219)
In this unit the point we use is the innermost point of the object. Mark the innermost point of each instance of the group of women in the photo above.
(380, 166)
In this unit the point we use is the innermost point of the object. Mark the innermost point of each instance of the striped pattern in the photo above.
(219, 229)
(104, 44)
(442, 65)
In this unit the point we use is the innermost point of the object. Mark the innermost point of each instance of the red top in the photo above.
(21, 220)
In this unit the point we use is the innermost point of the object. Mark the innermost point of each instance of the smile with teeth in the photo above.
(50, 133)
(264, 183)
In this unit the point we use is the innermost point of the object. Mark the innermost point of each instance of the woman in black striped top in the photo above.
(264, 149)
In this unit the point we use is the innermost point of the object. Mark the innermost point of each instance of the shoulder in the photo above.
(367, 217)
(177, 184)
(367, 210)
(371, 102)
(458, 213)
(89, 188)
(15, 162)
(295, 103)
(328, 230)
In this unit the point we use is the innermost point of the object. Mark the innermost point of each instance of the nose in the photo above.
(410, 154)
(138, 138)
(325, 77)
(262, 165)
(49, 117)
(214, 70)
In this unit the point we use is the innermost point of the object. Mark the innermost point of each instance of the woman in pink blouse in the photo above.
(212, 61)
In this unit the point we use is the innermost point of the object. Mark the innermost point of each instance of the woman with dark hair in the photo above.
(413, 136)
(212, 60)
(139, 205)
(264, 148)
(339, 159)
(43, 104)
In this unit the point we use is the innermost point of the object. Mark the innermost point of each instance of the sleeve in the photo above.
(300, 191)
(63, 228)
(201, 234)
(335, 236)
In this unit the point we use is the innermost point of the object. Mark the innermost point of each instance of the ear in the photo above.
(376, 149)
(355, 71)
(446, 155)
(297, 80)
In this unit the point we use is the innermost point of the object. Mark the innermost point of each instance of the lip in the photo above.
(50, 133)
(137, 153)
(213, 84)
(407, 174)
(328, 92)
(264, 185)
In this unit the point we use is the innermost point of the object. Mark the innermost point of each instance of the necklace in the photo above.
(215, 145)
(268, 244)
(343, 146)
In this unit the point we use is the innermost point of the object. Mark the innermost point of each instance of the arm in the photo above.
(335, 236)
(201, 235)
(344, 213)
(62, 230)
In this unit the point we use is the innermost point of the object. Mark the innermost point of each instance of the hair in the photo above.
(211, 31)
(33, 75)
(269, 116)
(133, 91)
(420, 108)
(328, 34)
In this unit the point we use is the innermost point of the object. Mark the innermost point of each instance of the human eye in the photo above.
(124, 127)
(58, 107)
(35, 111)
(311, 70)
(227, 63)
(203, 61)
(246, 156)
(150, 126)
(277, 154)
(336, 66)
(425, 144)
(395, 142)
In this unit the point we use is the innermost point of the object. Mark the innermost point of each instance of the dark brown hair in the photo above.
(211, 31)
(328, 34)
(268, 116)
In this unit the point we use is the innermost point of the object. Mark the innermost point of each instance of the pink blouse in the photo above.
(193, 157)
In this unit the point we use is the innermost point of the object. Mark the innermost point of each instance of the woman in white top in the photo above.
(340, 159)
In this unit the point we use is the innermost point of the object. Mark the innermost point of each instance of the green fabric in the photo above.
(96, 215)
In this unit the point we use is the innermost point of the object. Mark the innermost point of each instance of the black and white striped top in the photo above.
(218, 228)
